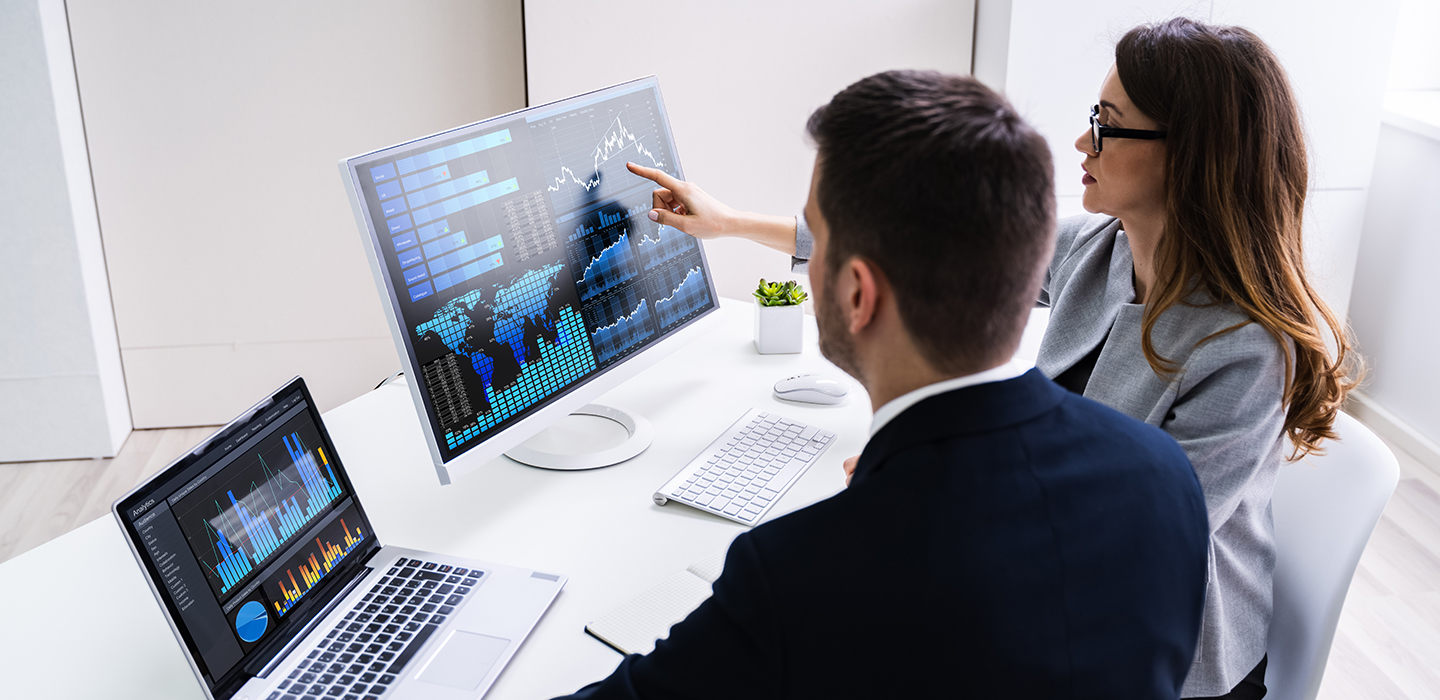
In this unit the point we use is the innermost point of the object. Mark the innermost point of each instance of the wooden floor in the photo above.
(1387, 646)
(40, 501)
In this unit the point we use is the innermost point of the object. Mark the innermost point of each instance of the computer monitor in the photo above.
(521, 274)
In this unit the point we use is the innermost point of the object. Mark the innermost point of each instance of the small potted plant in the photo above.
(779, 320)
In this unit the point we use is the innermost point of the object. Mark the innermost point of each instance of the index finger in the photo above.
(659, 176)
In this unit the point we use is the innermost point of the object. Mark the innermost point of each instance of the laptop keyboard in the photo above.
(363, 656)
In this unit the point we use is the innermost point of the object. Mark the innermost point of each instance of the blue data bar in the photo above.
(453, 151)
(383, 172)
(444, 245)
(475, 269)
(411, 257)
(391, 207)
(425, 178)
(399, 223)
(428, 232)
(465, 201)
(447, 189)
(420, 291)
(388, 190)
(404, 240)
(465, 255)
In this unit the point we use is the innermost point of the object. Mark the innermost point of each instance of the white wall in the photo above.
(1415, 65)
(739, 80)
(1394, 305)
(1058, 54)
(62, 393)
(214, 130)
(1392, 312)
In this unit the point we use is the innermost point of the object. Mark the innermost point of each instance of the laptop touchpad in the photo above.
(463, 660)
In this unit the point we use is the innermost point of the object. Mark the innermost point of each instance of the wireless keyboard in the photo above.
(748, 468)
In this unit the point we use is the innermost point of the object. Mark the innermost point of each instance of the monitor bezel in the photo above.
(568, 399)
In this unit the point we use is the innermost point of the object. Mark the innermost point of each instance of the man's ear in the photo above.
(867, 284)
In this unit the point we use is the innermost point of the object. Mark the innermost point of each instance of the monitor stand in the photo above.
(534, 451)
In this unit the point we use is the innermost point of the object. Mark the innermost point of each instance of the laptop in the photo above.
(259, 551)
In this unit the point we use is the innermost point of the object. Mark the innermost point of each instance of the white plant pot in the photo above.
(778, 329)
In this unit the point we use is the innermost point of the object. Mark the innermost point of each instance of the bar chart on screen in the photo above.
(318, 557)
(601, 262)
(622, 321)
(243, 515)
(685, 293)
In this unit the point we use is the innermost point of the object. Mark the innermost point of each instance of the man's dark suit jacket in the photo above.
(1003, 540)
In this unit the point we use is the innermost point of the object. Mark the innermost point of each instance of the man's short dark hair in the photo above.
(938, 182)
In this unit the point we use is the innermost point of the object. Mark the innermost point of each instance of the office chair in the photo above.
(1325, 509)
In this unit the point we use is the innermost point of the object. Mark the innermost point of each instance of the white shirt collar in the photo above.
(895, 407)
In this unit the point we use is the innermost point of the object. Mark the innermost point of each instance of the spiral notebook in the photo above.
(635, 627)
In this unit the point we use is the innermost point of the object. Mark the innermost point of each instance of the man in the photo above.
(1000, 537)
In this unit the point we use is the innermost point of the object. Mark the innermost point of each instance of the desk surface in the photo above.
(82, 624)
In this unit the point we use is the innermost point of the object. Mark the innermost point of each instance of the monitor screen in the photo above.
(519, 258)
(239, 535)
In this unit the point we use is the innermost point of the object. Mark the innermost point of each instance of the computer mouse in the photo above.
(812, 388)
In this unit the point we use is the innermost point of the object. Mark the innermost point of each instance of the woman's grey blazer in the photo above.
(1223, 406)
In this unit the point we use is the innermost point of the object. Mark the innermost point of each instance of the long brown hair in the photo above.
(1236, 178)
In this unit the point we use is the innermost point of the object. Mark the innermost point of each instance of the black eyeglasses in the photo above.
(1098, 133)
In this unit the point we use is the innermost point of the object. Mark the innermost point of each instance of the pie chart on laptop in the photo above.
(250, 624)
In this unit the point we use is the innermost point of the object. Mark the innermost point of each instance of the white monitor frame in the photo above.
(568, 399)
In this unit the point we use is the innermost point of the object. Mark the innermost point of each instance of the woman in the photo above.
(1182, 300)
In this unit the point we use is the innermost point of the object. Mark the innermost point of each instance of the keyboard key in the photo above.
(346, 680)
(429, 566)
(386, 680)
(446, 610)
(445, 569)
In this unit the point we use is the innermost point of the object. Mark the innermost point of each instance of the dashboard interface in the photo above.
(236, 537)
(520, 256)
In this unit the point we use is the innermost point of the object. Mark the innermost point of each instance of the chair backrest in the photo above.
(1325, 509)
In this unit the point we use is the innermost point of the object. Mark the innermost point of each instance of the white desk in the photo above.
(80, 623)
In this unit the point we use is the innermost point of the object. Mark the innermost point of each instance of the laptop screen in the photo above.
(246, 537)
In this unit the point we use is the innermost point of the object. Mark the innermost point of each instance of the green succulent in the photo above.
(778, 294)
